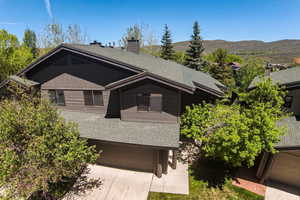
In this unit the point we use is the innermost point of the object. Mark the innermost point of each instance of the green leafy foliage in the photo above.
(13, 56)
(30, 41)
(37, 147)
(167, 51)
(251, 68)
(193, 58)
(238, 133)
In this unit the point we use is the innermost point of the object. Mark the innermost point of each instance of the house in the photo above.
(284, 167)
(125, 102)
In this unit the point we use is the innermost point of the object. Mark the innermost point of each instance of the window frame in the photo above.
(148, 107)
(288, 104)
(101, 100)
(147, 104)
(55, 98)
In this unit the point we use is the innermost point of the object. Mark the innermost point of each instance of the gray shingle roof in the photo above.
(283, 77)
(292, 136)
(23, 81)
(167, 69)
(95, 126)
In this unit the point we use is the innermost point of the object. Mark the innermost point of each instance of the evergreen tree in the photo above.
(219, 69)
(194, 52)
(167, 51)
(29, 41)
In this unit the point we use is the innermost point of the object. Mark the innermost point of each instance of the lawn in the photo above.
(209, 181)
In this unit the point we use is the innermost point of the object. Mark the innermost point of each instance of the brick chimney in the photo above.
(133, 45)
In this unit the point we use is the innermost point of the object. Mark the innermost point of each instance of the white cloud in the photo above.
(48, 7)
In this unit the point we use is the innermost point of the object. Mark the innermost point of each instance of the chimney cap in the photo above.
(132, 39)
(95, 42)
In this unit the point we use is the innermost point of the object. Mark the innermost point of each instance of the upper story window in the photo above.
(288, 100)
(93, 98)
(149, 102)
(57, 97)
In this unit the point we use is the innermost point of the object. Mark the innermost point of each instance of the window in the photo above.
(149, 102)
(143, 101)
(57, 97)
(93, 98)
(288, 101)
(156, 102)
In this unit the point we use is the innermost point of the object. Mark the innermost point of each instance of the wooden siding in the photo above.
(295, 108)
(170, 109)
(93, 71)
(73, 79)
(74, 100)
(197, 98)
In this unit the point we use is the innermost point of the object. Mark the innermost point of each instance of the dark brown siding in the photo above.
(170, 108)
(197, 98)
(74, 100)
(85, 74)
(96, 72)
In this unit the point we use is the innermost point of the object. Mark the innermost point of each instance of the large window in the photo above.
(149, 102)
(93, 98)
(57, 97)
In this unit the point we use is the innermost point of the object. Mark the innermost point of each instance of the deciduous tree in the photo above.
(13, 56)
(238, 133)
(38, 148)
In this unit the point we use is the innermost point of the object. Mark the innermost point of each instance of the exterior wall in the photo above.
(74, 100)
(170, 109)
(295, 108)
(197, 98)
(93, 71)
(74, 78)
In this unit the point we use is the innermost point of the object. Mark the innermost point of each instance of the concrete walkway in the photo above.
(118, 184)
(176, 181)
(273, 193)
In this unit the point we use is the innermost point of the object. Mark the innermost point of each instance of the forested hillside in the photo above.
(281, 51)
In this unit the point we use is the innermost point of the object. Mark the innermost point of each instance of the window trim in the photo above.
(288, 104)
(149, 109)
(137, 102)
(93, 97)
(56, 97)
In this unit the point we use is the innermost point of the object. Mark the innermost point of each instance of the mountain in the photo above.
(281, 51)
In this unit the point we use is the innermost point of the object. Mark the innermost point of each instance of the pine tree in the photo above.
(167, 51)
(194, 52)
(29, 41)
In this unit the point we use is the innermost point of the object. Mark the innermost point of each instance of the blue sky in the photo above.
(106, 21)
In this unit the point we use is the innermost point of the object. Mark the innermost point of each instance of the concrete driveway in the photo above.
(118, 184)
(281, 192)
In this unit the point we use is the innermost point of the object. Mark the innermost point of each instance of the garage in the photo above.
(126, 157)
(286, 168)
